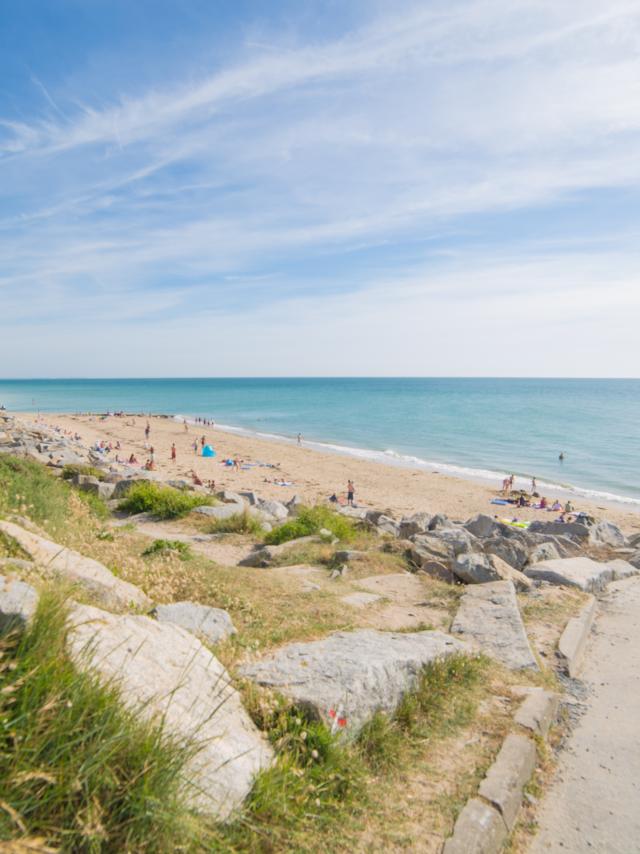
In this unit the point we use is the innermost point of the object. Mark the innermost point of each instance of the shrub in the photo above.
(311, 520)
(239, 523)
(161, 501)
(29, 488)
(163, 547)
(72, 469)
(78, 770)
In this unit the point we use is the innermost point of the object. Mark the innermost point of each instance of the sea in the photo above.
(475, 428)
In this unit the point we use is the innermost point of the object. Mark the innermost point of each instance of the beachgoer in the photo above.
(152, 452)
(561, 457)
(299, 438)
(543, 503)
(195, 447)
(351, 491)
(203, 441)
(568, 507)
(556, 505)
(173, 452)
(534, 485)
(506, 485)
(147, 430)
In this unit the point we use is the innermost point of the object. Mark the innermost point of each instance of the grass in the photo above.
(162, 547)
(163, 502)
(30, 489)
(72, 469)
(311, 520)
(239, 523)
(77, 770)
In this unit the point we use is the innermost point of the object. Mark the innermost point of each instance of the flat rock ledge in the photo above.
(165, 673)
(489, 617)
(55, 559)
(582, 572)
(346, 678)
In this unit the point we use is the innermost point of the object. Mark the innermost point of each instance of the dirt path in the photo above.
(594, 805)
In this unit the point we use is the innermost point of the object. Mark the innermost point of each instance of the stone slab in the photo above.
(479, 829)
(360, 600)
(489, 617)
(622, 569)
(508, 776)
(538, 711)
(55, 559)
(212, 624)
(345, 678)
(582, 572)
(165, 673)
(573, 639)
(18, 603)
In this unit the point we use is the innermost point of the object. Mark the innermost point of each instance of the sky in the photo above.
(330, 187)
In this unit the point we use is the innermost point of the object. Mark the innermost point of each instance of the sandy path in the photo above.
(594, 805)
(314, 474)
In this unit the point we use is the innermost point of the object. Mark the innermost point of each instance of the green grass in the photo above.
(310, 520)
(163, 547)
(239, 523)
(72, 469)
(163, 502)
(77, 770)
(30, 489)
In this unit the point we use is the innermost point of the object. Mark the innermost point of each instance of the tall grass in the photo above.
(239, 523)
(72, 469)
(311, 520)
(164, 502)
(77, 770)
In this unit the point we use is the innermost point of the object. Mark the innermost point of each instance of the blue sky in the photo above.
(286, 188)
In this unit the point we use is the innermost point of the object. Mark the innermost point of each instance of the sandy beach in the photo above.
(314, 475)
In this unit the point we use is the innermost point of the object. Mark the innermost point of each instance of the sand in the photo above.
(315, 474)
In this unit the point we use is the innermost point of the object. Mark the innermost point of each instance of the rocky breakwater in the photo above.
(39, 443)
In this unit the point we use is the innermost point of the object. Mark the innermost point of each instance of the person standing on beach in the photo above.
(203, 441)
(173, 452)
(152, 452)
(299, 438)
(147, 430)
(351, 491)
(534, 485)
(186, 426)
(195, 447)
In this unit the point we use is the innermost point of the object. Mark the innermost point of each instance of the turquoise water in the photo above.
(473, 427)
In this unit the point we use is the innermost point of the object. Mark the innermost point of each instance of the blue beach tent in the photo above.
(208, 451)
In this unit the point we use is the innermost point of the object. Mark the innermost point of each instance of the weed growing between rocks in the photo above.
(239, 523)
(77, 770)
(72, 469)
(163, 502)
(311, 520)
(163, 547)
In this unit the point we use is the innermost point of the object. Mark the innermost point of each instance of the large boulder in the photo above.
(545, 551)
(229, 497)
(489, 617)
(387, 525)
(18, 603)
(478, 568)
(634, 541)
(346, 678)
(574, 530)
(512, 550)
(274, 508)
(57, 560)
(418, 523)
(634, 559)
(101, 489)
(167, 675)
(582, 572)
(211, 624)
(426, 562)
(607, 534)
(481, 525)
(433, 545)
(264, 556)
(123, 486)
(439, 521)
(459, 540)
(219, 511)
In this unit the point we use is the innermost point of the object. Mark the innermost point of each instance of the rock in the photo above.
(372, 516)
(538, 711)
(123, 486)
(622, 569)
(573, 530)
(274, 508)
(18, 603)
(352, 512)
(360, 600)
(479, 829)
(512, 551)
(607, 534)
(434, 546)
(477, 568)
(11, 564)
(82, 480)
(166, 674)
(489, 616)
(88, 573)
(345, 555)
(212, 624)
(573, 640)
(579, 572)
(507, 777)
(219, 511)
(101, 489)
(326, 536)
(181, 485)
(387, 525)
(545, 551)
(481, 525)
(634, 541)
(250, 497)
(345, 678)
(440, 571)
(264, 556)
(418, 523)
(459, 540)
(634, 559)
(228, 497)
(439, 521)
(294, 504)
